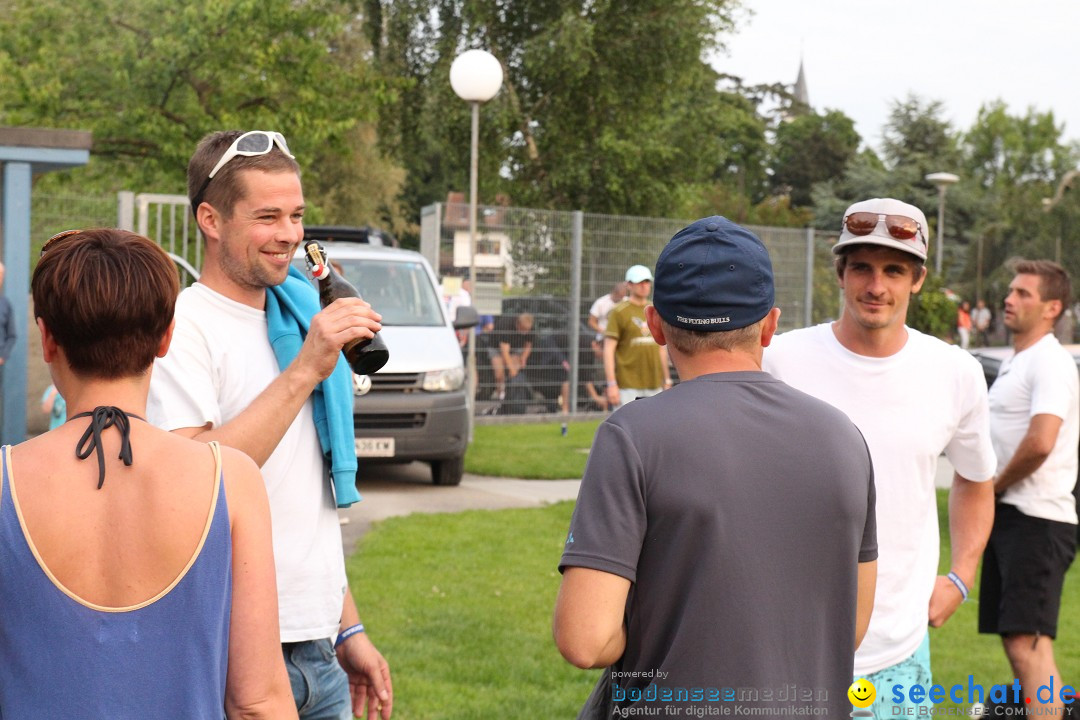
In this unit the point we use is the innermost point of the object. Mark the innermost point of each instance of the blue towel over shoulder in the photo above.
(289, 309)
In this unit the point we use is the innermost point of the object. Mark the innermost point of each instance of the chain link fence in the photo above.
(551, 266)
(50, 214)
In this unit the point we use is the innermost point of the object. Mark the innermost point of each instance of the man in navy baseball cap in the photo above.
(707, 500)
(714, 276)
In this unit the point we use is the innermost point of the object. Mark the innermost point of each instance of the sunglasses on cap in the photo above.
(900, 227)
(57, 236)
(250, 144)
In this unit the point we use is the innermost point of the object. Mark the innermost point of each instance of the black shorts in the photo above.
(1023, 573)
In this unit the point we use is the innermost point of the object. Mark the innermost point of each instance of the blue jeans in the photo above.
(319, 686)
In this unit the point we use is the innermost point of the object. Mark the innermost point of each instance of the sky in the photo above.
(861, 55)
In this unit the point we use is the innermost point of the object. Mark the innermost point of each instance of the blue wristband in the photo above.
(959, 584)
(347, 633)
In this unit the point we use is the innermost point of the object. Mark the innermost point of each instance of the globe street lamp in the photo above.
(475, 76)
(943, 180)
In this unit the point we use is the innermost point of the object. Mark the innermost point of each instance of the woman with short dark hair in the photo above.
(136, 568)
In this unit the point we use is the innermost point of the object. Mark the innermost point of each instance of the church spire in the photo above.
(802, 95)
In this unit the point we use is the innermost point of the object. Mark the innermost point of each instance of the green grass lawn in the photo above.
(535, 451)
(957, 650)
(461, 607)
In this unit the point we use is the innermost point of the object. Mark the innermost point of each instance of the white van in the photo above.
(416, 406)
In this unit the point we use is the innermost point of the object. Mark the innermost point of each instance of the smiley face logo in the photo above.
(862, 693)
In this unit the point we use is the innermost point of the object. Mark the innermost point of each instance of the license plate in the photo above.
(375, 447)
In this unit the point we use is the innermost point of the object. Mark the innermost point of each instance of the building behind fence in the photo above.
(551, 264)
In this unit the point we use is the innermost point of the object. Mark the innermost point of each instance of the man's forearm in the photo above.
(971, 516)
(1031, 453)
(609, 359)
(1025, 462)
(349, 614)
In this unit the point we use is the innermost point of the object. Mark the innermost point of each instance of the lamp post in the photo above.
(943, 180)
(475, 76)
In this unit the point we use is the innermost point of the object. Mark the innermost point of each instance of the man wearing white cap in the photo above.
(634, 365)
(913, 397)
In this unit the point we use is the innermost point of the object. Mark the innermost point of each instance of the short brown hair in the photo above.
(107, 296)
(225, 189)
(1054, 283)
(692, 342)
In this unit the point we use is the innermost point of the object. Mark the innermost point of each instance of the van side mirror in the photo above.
(466, 318)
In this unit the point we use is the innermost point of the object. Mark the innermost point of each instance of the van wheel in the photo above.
(448, 471)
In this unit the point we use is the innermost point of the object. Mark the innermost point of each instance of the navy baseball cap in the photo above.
(713, 275)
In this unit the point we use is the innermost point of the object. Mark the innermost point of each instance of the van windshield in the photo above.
(399, 291)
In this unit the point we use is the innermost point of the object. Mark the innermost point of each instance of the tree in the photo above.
(1016, 161)
(606, 106)
(149, 78)
(917, 136)
(811, 148)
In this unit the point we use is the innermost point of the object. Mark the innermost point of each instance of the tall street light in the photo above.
(475, 76)
(943, 180)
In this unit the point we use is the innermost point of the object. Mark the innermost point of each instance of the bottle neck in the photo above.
(320, 272)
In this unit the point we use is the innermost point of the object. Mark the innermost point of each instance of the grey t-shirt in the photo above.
(739, 508)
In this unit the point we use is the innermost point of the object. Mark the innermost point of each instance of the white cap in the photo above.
(880, 235)
(638, 273)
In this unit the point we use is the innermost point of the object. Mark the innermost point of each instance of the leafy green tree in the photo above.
(931, 311)
(149, 78)
(1015, 162)
(811, 148)
(606, 106)
(916, 135)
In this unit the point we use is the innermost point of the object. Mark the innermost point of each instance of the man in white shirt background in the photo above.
(1035, 426)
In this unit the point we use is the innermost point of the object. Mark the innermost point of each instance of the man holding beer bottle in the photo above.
(221, 380)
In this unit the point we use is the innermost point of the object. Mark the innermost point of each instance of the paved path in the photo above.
(392, 490)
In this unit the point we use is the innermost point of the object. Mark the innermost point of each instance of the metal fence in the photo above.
(550, 264)
(50, 214)
(553, 265)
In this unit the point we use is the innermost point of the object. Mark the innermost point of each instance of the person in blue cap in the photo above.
(724, 534)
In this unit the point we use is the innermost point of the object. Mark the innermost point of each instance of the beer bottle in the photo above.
(365, 355)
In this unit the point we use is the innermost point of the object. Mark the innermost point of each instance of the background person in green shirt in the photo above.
(634, 365)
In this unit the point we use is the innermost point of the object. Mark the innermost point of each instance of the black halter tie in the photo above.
(105, 416)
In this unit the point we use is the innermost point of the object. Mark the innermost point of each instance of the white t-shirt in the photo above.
(1039, 380)
(926, 399)
(600, 310)
(220, 360)
(459, 299)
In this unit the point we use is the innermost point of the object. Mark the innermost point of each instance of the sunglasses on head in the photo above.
(250, 144)
(900, 227)
(57, 236)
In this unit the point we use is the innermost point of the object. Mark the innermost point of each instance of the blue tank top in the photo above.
(62, 657)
